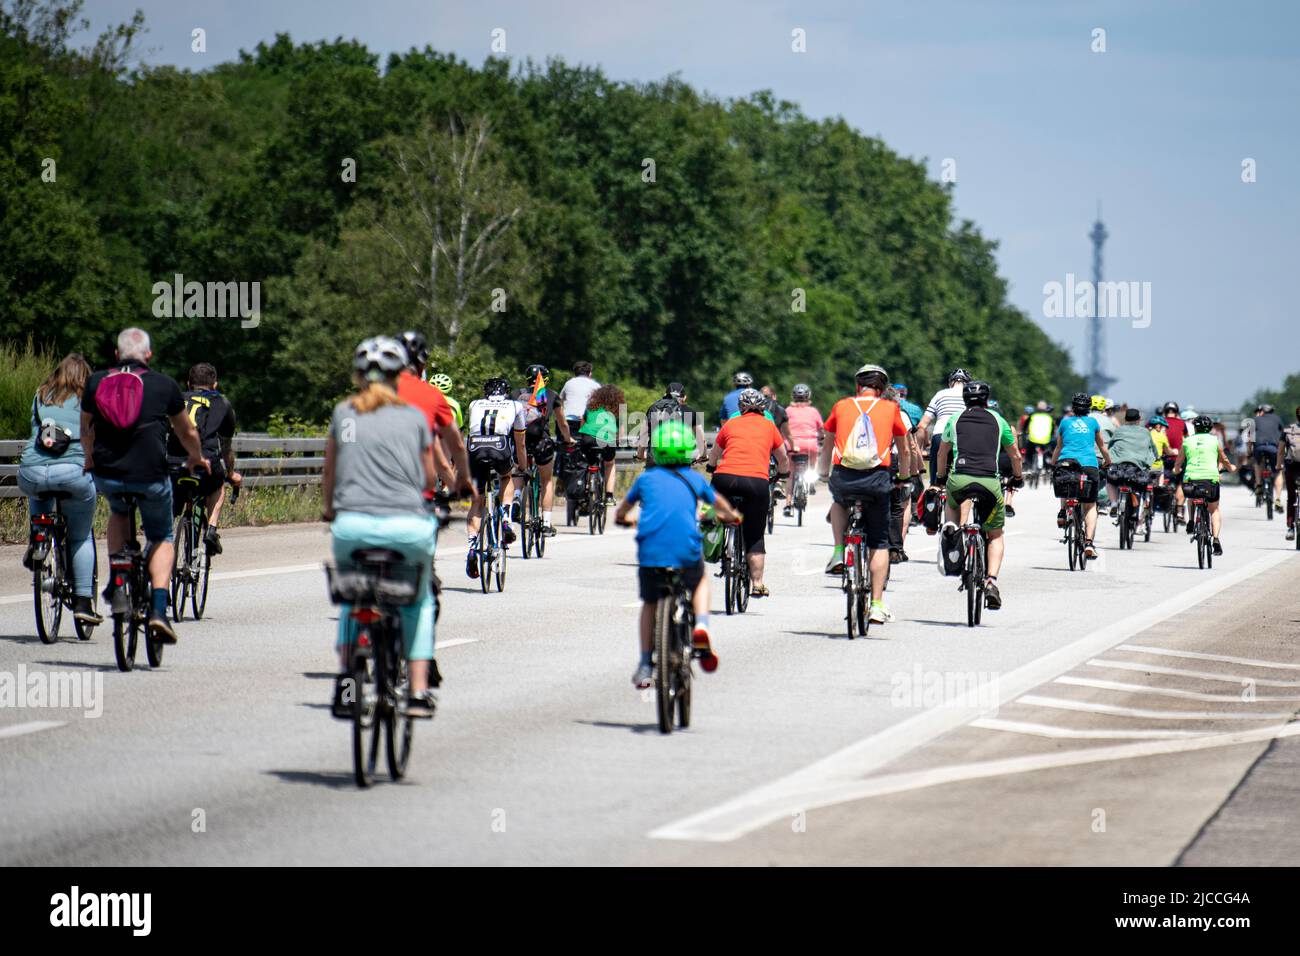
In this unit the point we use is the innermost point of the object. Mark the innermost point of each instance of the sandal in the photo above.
(759, 590)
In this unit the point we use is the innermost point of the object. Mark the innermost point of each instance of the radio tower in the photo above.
(1098, 380)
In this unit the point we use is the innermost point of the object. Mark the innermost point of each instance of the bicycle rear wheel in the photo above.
(1079, 540)
(539, 528)
(665, 667)
(1069, 545)
(526, 532)
(153, 647)
(180, 565)
(398, 728)
(365, 723)
(850, 602)
(45, 594)
(199, 588)
(126, 635)
(85, 630)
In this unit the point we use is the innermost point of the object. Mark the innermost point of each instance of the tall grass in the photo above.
(22, 368)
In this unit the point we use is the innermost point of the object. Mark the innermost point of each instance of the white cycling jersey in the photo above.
(495, 417)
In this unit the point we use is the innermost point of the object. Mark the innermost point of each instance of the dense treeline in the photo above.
(657, 231)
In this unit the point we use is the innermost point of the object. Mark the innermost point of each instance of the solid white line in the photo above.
(1171, 691)
(937, 776)
(1059, 703)
(1067, 733)
(453, 642)
(1197, 656)
(1200, 675)
(31, 727)
(778, 799)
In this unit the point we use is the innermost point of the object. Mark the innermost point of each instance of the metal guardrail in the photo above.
(265, 461)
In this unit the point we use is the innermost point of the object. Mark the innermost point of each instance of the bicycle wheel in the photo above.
(525, 522)
(499, 558)
(1268, 502)
(728, 582)
(124, 641)
(180, 565)
(980, 579)
(862, 569)
(968, 582)
(46, 581)
(683, 625)
(601, 515)
(398, 728)
(365, 726)
(199, 589)
(153, 647)
(539, 528)
(85, 630)
(850, 602)
(742, 584)
(665, 666)
(1079, 540)
(1069, 545)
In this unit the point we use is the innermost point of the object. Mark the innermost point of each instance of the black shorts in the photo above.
(1088, 493)
(652, 581)
(486, 460)
(751, 496)
(1205, 490)
(540, 447)
(208, 483)
(875, 489)
(592, 450)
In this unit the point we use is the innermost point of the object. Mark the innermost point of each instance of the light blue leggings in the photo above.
(37, 481)
(414, 536)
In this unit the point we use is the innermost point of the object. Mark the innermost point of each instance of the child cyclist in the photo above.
(668, 535)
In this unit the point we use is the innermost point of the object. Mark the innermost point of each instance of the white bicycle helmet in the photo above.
(379, 358)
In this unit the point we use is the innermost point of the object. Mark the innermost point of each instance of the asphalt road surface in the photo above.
(1136, 713)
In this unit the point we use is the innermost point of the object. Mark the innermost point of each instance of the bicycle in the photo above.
(191, 564)
(801, 486)
(1130, 508)
(1199, 522)
(372, 694)
(492, 555)
(855, 580)
(673, 650)
(773, 486)
(593, 493)
(735, 566)
(1069, 489)
(52, 584)
(531, 525)
(132, 598)
(1264, 489)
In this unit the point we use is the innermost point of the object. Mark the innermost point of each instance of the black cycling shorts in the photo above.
(751, 494)
(875, 488)
(540, 447)
(653, 581)
(208, 483)
(593, 450)
(1205, 490)
(487, 460)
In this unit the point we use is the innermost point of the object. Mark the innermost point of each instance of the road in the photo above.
(1137, 713)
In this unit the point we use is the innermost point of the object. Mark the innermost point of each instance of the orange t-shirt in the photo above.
(747, 443)
(427, 399)
(885, 417)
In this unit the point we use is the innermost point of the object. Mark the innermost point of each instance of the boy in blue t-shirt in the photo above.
(668, 536)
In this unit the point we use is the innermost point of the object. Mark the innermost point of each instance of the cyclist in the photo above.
(1078, 439)
(946, 402)
(1200, 460)
(449, 446)
(496, 443)
(913, 414)
(973, 441)
(213, 416)
(1131, 448)
(378, 464)
(53, 460)
(1263, 448)
(776, 411)
(867, 430)
(1288, 463)
(539, 408)
(740, 462)
(443, 383)
(572, 402)
(671, 407)
(900, 498)
(668, 536)
(124, 415)
(731, 401)
(1156, 426)
(806, 431)
(598, 436)
(1040, 434)
(1175, 428)
(910, 409)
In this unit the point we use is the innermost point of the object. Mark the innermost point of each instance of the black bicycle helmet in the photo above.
(417, 347)
(1171, 407)
(1202, 423)
(1080, 403)
(531, 373)
(975, 394)
(958, 375)
(496, 386)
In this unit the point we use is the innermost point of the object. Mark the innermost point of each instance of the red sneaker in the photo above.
(700, 641)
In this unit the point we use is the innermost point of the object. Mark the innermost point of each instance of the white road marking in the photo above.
(31, 727)
(843, 770)
(937, 776)
(453, 642)
(1171, 691)
(1200, 675)
(1059, 703)
(1197, 656)
(1067, 733)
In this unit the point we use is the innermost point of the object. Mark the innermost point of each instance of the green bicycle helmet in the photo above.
(673, 444)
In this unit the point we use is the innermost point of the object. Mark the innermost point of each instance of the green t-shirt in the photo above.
(602, 425)
(1202, 453)
(977, 436)
(1131, 444)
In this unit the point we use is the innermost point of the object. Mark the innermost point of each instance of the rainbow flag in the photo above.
(539, 393)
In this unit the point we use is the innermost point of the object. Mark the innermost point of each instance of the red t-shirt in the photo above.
(427, 399)
(1176, 431)
(747, 443)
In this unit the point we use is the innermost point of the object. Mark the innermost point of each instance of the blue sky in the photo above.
(1040, 128)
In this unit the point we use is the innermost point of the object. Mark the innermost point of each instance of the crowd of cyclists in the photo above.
(399, 439)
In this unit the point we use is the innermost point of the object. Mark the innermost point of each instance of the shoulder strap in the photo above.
(689, 487)
(35, 416)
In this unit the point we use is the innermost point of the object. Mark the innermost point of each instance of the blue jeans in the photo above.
(155, 504)
(79, 511)
(415, 537)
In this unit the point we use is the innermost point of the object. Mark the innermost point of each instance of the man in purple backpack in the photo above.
(125, 411)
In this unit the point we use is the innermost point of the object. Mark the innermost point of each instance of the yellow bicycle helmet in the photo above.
(441, 381)
(1099, 403)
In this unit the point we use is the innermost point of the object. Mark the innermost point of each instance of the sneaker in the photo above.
(759, 590)
(507, 534)
(643, 677)
(879, 613)
(1011, 512)
(992, 597)
(422, 706)
(895, 556)
(1290, 534)
(704, 650)
(788, 511)
(902, 556)
(161, 629)
(836, 564)
(83, 609)
(515, 510)
(1090, 551)
(1218, 548)
(212, 541)
(1061, 519)
(471, 562)
(778, 494)
(549, 530)
(30, 558)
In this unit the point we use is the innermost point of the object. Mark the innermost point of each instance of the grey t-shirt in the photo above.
(378, 464)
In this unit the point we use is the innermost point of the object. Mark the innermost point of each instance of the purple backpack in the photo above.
(119, 397)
